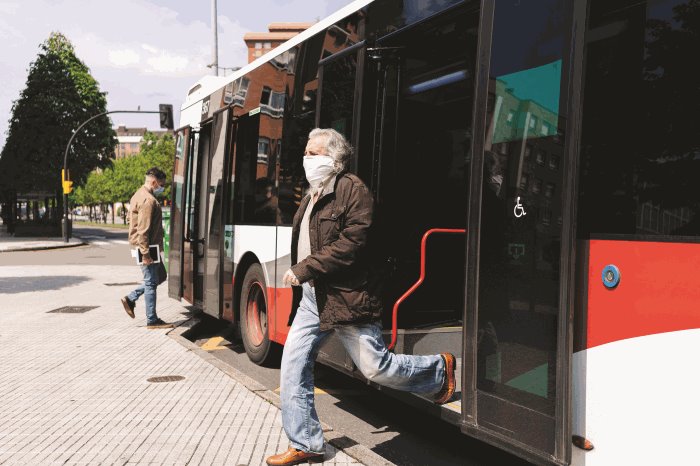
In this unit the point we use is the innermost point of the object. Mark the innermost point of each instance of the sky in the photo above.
(142, 52)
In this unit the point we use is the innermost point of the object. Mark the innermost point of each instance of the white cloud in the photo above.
(124, 57)
(167, 63)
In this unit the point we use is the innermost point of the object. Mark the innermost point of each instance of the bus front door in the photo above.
(194, 211)
(177, 217)
(517, 342)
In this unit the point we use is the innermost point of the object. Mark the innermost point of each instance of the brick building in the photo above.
(130, 140)
(260, 43)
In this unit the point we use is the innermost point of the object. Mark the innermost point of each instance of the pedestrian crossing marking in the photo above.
(212, 344)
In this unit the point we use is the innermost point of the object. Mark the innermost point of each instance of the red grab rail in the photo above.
(394, 318)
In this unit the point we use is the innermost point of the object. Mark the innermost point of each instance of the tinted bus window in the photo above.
(640, 151)
(299, 120)
(387, 16)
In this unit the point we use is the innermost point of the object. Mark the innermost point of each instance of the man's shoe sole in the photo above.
(160, 326)
(448, 389)
(127, 308)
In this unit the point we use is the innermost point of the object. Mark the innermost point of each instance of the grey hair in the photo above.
(338, 147)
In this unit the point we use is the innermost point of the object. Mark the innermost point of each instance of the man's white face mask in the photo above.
(318, 168)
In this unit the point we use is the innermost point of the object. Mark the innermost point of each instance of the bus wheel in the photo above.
(253, 318)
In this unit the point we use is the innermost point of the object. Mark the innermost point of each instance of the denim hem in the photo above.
(302, 448)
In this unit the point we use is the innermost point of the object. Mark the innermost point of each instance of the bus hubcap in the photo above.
(256, 314)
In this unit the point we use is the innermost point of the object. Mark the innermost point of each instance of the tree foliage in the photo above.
(119, 182)
(60, 94)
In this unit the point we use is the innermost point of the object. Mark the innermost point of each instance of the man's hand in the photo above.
(146, 259)
(290, 279)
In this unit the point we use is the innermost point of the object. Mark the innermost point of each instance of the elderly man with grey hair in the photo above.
(333, 292)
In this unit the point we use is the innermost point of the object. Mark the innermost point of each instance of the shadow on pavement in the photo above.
(11, 285)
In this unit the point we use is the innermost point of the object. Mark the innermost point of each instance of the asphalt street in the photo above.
(391, 428)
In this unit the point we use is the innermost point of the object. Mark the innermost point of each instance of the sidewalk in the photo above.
(11, 243)
(75, 390)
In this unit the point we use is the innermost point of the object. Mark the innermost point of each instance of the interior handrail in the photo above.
(394, 318)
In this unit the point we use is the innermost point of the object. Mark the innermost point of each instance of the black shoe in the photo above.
(128, 306)
(159, 324)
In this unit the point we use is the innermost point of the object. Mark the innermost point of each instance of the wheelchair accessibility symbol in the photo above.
(519, 210)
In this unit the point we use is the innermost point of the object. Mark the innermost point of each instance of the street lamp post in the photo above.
(166, 121)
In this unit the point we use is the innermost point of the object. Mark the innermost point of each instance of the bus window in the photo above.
(299, 120)
(251, 172)
(338, 93)
(386, 17)
(640, 140)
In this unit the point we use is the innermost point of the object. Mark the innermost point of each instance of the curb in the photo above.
(44, 248)
(336, 438)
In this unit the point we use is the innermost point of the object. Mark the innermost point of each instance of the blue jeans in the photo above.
(364, 344)
(147, 288)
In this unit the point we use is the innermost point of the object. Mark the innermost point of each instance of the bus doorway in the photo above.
(417, 164)
(195, 216)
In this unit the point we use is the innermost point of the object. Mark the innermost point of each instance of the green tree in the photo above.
(60, 94)
(119, 182)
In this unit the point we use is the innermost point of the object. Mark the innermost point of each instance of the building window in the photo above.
(272, 103)
(240, 90)
(257, 53)
(523, 182)
(267, 45)
(536, 186)
(265, 96)
(258, 45)
(549, 190)
(263, 150)
(544, 131)
(554, 162)
(540, 156)
(533, 121)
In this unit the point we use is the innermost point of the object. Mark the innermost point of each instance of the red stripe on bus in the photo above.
(659, 290)
(283, 307)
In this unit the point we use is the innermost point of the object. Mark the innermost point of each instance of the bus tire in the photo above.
(253, 318)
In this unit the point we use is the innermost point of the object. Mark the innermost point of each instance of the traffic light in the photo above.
(65, 182)
(166, 116)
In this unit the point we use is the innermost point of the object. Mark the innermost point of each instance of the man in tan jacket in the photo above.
(145, 229)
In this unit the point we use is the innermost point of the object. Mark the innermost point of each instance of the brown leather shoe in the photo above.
(294, 456)
(449, 384)
(128, 306)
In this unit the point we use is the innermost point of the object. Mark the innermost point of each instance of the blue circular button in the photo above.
(611, 276)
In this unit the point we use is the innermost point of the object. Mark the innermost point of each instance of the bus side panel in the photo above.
(260, 241)
(635, 381)
(283, 295)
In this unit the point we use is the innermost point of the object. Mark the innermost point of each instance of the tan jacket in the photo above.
(145, 221)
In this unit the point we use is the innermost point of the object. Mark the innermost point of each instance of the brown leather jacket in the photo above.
(338, 228)
(145, 220)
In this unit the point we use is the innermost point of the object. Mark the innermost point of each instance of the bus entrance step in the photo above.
(427, 340)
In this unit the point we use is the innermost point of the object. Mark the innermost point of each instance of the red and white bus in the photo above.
(534, 166)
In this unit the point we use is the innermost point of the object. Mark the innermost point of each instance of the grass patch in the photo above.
(101, 225)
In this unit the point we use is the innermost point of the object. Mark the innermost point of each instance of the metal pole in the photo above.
(215, 49)
(66, 224)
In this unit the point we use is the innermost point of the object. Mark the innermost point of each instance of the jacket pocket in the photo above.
(330, 224)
